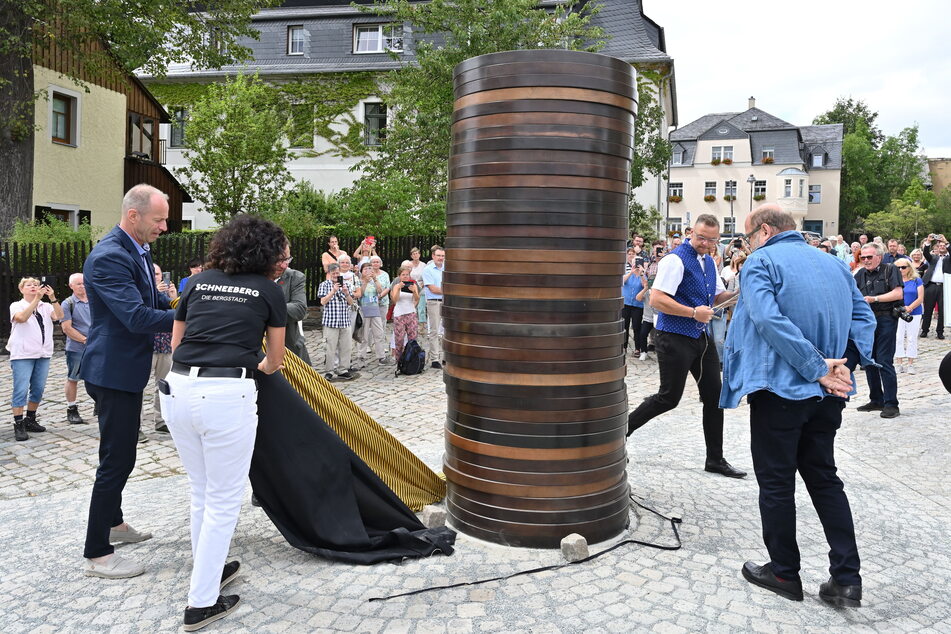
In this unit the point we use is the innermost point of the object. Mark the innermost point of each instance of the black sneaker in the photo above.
(229, 573)
(889, 412)
(32, 426)
(72, 415)
(19, 431)
(346, 376)
(329, 376)
(940, 335)
(197, 618)
(437, 365)
(870, 407)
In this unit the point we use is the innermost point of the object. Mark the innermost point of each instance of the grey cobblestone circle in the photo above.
(896, 474)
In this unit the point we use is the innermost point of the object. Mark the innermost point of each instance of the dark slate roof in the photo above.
(742, 120)
(634, 38)
(814, 134)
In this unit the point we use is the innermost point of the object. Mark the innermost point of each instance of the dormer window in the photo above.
(295, 40)
(378, 38)
(677, 158)
(818, 160)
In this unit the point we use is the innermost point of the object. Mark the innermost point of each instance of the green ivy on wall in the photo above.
(331, 96)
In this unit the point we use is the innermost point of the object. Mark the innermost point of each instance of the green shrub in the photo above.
(53, 230)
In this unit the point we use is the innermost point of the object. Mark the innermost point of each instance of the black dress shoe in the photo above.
(197, 618)
(763, 577)
(870, 407)
(889, 412)
(229, 573)
(940, 335)
(723, 467)
(841, 596)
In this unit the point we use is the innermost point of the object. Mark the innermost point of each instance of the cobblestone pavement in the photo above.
(896, 474)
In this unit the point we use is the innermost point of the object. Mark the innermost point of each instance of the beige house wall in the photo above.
(694, 178)
(940, 169)
(89, 174)
(741, 151)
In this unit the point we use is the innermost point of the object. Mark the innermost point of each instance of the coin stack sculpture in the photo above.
(537, 217)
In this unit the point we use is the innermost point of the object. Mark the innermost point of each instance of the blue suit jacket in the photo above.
(126, 311)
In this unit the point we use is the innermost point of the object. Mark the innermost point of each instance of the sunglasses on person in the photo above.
(902, 267)
(866, 257)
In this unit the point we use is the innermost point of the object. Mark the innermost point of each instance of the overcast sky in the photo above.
(796, 58)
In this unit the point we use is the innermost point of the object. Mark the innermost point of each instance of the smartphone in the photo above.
(638, 261)
(166, 277)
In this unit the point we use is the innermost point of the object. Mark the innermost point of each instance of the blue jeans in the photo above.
(74, 360)
(28, 375)
(882, 382)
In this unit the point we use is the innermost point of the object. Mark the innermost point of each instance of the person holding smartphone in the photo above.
(31, 347)
(633, 281)
(337, 297)
(404, 293)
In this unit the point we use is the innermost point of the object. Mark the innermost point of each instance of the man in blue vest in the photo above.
(685, 290)
(127, 310)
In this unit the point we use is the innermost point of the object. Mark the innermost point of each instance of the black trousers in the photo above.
(932, 299)
(786, 437)
(676, 356)
(632, 316)
(119, 420)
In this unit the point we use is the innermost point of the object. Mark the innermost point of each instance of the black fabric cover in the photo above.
(321, 496)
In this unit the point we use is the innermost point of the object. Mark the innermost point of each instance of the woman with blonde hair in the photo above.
(906, 344)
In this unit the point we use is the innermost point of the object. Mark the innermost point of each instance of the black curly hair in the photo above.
(247, 244)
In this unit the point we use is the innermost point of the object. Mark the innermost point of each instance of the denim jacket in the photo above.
(798, 306)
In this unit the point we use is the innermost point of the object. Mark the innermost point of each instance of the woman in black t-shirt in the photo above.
(209, 398)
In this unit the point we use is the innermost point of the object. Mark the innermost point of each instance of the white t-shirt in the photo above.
(670, 273)
(404, 305)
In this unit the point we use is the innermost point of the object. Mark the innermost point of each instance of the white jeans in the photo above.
(213, 423)
(375, 337)
(906, 343)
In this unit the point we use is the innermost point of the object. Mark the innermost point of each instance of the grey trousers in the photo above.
(339, 346)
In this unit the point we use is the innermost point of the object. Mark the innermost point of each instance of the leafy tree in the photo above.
(941, 217)
(420, 95)
(388, 207)
(146, 34)
(859, 160)
(305, 212)
(849, 113)
(652, 151)
(235, 149)
(899, 220)
(900, 162)
(644, 221)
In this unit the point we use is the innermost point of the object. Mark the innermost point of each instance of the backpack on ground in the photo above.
(413, 359)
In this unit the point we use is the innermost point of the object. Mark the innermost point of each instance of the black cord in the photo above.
(673, 524)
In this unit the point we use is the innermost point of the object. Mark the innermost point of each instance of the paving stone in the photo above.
(895, 474)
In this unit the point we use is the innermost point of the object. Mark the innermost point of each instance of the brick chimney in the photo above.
(752, 102)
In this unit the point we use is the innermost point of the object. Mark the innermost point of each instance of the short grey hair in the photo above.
(774, 217)
(73, 278)
(875, 246)
(343, 257)
(140, 198)
(707, 219)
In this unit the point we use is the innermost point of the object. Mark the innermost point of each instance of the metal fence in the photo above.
(54, 263)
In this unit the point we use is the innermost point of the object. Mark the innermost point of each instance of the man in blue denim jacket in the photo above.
(799, 311)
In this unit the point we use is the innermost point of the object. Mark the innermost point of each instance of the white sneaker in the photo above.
(130, 536)
(116, 567)
(912, 370)
(643, 356)
(901, 369)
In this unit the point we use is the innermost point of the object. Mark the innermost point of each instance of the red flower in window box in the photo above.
(674, 199)
(728, 161)
(709, 198)
(767, 160)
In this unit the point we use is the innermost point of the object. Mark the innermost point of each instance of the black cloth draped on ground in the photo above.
(321, 496)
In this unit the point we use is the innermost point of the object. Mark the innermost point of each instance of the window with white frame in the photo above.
(818, 160)
(769, 153)
(710, 188)
(676, 189)
(374, 124)
(295, 40)
(677, 158)
(729, 224)
(729, 188)
(727, 152)
(674, 225)
(377, 38)
(787, 188)
(63, 118)
(759, 188)
(815, 194)
(802, 187)
(717, 153)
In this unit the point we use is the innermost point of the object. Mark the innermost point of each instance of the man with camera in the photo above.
(337, 296)
(883, 289)
(938, 265)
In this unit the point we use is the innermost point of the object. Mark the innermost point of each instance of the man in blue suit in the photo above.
(126, 311)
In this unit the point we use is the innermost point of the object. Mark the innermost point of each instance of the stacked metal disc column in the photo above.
(536, 229)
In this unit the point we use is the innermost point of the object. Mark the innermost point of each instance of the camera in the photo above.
(408, 285)
(638, 261)
(738, 244)
(901, 312)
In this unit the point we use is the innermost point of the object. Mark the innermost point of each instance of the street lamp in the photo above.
(751, 180)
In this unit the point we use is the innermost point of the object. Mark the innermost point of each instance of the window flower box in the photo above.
(728, 161)
(674, 199)
(715, 161)
(709, 198)
(728, 198)
(759, 197)
(767, 160)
